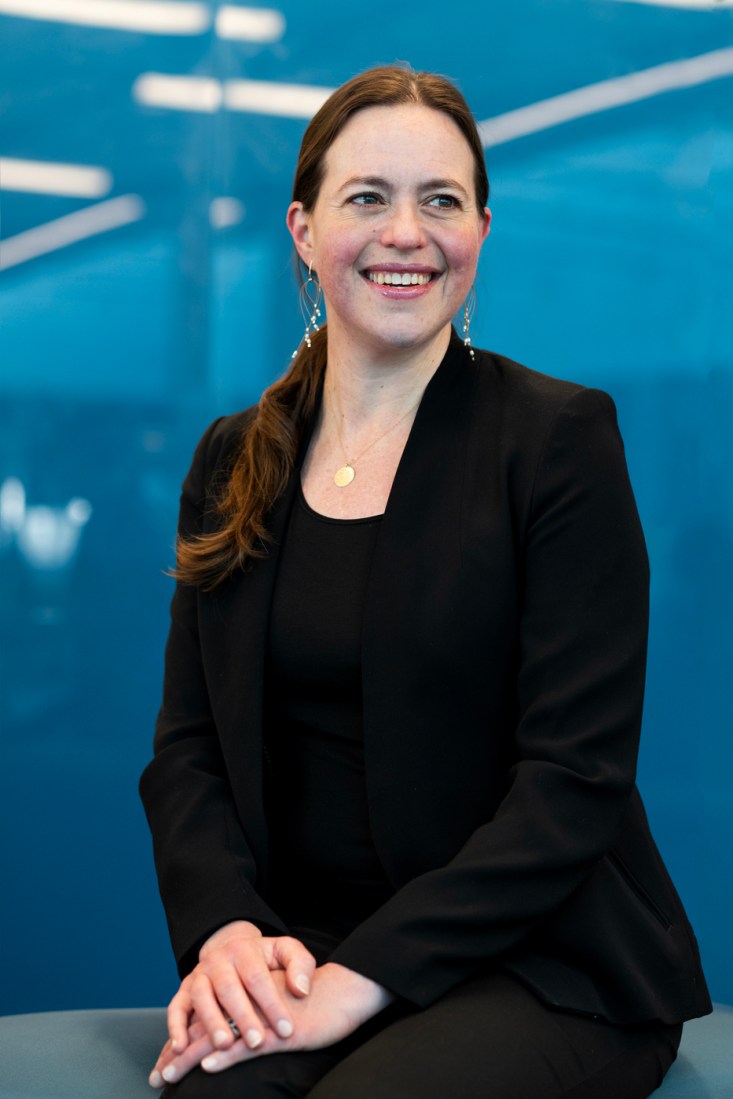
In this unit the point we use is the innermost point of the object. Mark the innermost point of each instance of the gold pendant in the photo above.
(344, 476)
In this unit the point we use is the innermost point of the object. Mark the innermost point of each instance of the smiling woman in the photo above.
(395, 233)
(392, 797)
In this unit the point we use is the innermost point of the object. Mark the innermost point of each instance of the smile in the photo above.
(397, 278)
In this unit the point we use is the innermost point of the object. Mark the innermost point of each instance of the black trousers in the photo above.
(489, 1038)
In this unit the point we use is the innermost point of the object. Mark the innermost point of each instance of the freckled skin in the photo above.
(398, 189)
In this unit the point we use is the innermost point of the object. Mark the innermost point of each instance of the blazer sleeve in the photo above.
(206, 872)
(580, 684)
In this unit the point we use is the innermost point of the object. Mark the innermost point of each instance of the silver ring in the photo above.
(234, 1028)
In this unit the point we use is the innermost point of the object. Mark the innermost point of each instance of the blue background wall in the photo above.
(609, 263)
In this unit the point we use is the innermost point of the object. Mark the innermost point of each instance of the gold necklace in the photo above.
(346, 473)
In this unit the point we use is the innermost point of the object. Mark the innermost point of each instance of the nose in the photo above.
(403, 229)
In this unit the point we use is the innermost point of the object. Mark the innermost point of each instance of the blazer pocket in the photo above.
(640, 891)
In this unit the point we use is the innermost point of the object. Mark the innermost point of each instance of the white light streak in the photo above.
(174, 17)
(605, 95)
(46, 178)
(178, 93)
(69, 229)
(183, 17)
(698, 5)
(201, 93)
(266, 97)
(250, 24)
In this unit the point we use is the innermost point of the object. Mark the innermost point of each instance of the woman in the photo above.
(392, 797)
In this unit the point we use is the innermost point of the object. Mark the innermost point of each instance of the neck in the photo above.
(362, 390)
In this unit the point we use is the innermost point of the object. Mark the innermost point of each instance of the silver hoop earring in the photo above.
(469, 308)
(311, 296)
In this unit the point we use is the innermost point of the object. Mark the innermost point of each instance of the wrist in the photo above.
(237, 929)
(366, 995)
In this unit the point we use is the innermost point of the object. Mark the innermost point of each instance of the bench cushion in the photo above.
(704, 1066)
(108, 1055)
(80, 1054)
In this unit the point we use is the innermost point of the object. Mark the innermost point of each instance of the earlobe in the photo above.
(298, 224)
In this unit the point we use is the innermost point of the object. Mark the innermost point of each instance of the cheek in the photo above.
(462, 259)
(339, 255)
(338, 268)
(464, 252)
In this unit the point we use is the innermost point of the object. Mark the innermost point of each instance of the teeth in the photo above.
(396, 278)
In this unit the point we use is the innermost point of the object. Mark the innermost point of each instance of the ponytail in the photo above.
(261, 471)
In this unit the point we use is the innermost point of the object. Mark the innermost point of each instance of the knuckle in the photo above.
(245, 948)
(227, 987)
(203, 1003)
(199, 984)
(256, 980)
(181, 996)
(295, 948)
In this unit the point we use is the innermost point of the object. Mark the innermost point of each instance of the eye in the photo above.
(367, 198)
(444, 202)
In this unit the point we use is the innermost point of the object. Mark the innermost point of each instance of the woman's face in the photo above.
(395, 234)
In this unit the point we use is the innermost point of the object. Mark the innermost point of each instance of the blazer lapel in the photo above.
(234, 619)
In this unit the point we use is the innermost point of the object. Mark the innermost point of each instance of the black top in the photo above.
(324, 869)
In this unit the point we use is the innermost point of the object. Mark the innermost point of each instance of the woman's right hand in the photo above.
(233, 981)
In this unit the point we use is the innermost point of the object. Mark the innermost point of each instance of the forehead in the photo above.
(408, 138)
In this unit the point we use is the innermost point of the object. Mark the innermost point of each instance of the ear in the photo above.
(485, 224)
(299, 226)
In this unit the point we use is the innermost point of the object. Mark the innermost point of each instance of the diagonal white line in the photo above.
(82, 224)
(148, 16)
(606, 95)
(698, 5)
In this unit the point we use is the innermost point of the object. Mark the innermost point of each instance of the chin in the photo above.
(403, 337)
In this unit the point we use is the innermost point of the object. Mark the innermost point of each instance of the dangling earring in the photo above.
(468, 311)
(311, 295)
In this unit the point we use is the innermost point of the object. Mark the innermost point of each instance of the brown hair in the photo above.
(269, 446)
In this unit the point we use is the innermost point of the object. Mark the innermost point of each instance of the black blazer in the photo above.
(503, 673)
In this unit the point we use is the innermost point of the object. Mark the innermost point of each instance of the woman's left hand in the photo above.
(340, 1001)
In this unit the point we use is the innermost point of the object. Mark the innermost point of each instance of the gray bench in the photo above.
(108, 1055)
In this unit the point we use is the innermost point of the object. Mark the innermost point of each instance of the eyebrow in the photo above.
(384, 184)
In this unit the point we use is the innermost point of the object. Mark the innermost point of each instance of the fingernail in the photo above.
(221, 1037)
(169, 1074)
(303, 983)
(176, 1045)
(155, 1079)
(284, 1028)
(253, 1038)
(209, 1063)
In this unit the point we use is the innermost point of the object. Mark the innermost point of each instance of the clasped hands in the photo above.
(274, 993)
